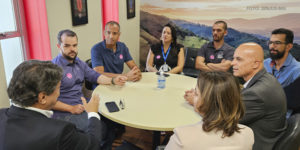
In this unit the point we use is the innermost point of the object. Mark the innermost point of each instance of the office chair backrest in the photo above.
(88, 85)
(189, 63)
(291, 138)
(293, 95)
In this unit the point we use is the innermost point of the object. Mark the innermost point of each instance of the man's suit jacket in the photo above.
(265, 104)
(22, 129)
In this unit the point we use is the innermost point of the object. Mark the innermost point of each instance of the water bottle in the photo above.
(161, 81)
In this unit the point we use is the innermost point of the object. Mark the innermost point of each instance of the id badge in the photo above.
(165, 68)
(220, 55)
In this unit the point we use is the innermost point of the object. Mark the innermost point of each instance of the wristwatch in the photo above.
(112, 81)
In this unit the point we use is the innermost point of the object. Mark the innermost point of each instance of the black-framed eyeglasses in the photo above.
(276, 42)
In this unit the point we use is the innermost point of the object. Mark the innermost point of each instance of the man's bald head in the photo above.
(248, 60)
(253, 50)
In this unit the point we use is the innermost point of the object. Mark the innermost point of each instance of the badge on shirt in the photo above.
(164, 68)
(211, 57)
(121, 56)
(158, 57)
(220, 55)
(69, 75)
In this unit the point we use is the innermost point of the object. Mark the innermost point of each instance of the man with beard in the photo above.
(281, 63)
(216, 55)
(69, 105)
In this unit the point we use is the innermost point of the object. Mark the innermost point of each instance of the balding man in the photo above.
(263, 96)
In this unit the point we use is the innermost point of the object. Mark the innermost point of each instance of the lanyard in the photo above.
(163, 53)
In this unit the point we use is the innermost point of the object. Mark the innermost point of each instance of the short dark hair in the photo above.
(220, 102)
(112, 23)
(289, 35)
(67, 32)
(32, 77)
(173, 33)
(222, 22)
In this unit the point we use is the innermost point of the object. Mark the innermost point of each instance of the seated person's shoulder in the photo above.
(98, 46)
(156, 47)
(245, 129)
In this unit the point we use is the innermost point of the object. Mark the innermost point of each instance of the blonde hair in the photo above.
(220, 102)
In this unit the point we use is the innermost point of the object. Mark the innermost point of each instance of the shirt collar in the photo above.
(287, 61)
(64, 61)
(104, 45)
(246, 84)
(47, 113)
(211, 45)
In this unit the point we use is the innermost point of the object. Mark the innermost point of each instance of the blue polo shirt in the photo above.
(73, 78)
(289, 71)
(112, 62)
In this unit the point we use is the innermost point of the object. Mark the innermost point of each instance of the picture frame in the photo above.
(130, 8)
(79, 12)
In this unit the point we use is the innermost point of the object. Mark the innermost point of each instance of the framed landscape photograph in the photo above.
(130, 8)
(79, 12)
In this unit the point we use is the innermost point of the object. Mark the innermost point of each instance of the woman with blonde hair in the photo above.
(218, 101)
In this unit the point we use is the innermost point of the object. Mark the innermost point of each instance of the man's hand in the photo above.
(120, 80)
(189, 96)
(77, 109)
(134, 74)
(93, 104)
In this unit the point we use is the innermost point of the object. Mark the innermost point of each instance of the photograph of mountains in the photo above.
(248, 21)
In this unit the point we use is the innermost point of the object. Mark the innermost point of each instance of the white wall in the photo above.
(4, 100)
(59, 18)
(130, 30)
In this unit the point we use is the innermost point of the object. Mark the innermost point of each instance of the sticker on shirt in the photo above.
(121, 56)
(69, 75)
(211, 57)
(220, 55)
(158, 57)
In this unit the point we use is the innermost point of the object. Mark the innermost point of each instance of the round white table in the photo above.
(150, 108)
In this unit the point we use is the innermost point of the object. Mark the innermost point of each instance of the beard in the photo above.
(69, 57)
(277, 56)
(218, 38)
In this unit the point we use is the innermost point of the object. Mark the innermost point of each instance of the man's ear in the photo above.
(225, 32)
(42, 98)
(289, 47)
(58, 45)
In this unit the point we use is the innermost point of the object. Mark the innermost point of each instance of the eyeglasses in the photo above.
(276, 42)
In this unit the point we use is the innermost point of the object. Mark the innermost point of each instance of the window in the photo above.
(12, 35)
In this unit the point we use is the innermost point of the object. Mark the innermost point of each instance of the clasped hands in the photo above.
(189, 96)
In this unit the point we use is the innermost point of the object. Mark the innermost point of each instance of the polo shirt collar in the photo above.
(211, 45)
(64, 61)
(287, 61)
(104, 45)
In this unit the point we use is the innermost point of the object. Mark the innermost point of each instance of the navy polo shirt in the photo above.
(73, 78)
(212, 55)
(112, 62)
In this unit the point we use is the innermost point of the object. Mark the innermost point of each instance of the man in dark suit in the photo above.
(263, 96)
(27, 125)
